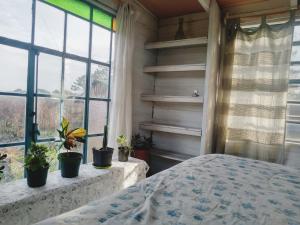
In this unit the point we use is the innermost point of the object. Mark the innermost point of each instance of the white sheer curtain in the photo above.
(120, 121)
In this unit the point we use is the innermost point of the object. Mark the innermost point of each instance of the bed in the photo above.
(211, 189)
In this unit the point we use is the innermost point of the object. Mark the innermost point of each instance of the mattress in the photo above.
(211, 190)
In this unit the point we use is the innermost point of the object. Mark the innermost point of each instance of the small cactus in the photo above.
(104, 143)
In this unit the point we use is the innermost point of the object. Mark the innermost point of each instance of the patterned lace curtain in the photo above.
(254, 83)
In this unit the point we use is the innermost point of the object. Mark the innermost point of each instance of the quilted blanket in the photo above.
(210, 190)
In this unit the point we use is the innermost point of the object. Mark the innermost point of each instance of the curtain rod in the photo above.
(259, 13)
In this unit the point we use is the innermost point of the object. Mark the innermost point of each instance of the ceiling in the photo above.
(170, 8)
(233, 3)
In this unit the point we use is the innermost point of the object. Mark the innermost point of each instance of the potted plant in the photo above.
(37, 163)
(102, 157)
(141, 146)
(124, 148)
(69, 161)
(2, 158)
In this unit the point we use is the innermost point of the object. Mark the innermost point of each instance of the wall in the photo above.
(212, 71)
(146, 31)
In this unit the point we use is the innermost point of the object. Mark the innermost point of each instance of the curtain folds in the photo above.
(252, 102)
(120, 122)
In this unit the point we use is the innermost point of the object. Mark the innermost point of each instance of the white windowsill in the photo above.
(20, 204)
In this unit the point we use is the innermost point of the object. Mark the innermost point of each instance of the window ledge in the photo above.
(20, 204)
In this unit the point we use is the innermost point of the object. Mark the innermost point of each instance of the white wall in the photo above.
(146, 31)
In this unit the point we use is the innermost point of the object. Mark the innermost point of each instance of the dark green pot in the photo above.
(37, 178)
(123, 154)
(102, 158)
(69, 163)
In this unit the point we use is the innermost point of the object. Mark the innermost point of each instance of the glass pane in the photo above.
(75, 6)
(49, 26)
(294, 92)
(74, 112)
(102, 18)
(293, 131)
(295, 53)
(13, 64)
(97, 116)
(296, 33)
(75, 78)
(16, 19)
(77, 36)
(294, 72)
(12, 119)
(99, 81)
(14, 163)
(293, 110)
(48, 111)
(49, 74)
(93, 142)
(101, 44)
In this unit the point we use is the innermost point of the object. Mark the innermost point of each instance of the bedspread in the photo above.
(211, 190)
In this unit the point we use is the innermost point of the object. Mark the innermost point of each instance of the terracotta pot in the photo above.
(142, 154)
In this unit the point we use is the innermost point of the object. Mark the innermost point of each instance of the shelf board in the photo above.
(180, 157)
(166, 98)
(174, 68)
(170, 128)
(177, 43)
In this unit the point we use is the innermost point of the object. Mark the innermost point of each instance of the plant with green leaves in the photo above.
(39, 156)
(123, 143)
(2, 158)
(125, 148)
(141, 142)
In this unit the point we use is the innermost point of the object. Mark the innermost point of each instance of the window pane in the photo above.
(48, 116)
(75, 78)
(294, 72)
(294, 92)
(293, 131)
(13, 64)
(293, 111)
(75, 6)
(99, 81)
(101, 44)
(14, 163)
(74, 112)
(49, 74)
(12, 119)
(295, 53)
(77, 36)
(16, 19)
(93, 142)
(49, 26)
(97, 116)
(296, 33)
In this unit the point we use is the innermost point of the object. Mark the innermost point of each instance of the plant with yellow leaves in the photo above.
(70, 138)
(70, 161)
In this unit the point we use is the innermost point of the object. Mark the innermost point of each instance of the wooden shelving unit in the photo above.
(152, 126)
(175, 68)
(177, 43)
(174, 99)
(170, 155)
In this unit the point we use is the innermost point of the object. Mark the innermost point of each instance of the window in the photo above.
(293, 104)
(55, 61)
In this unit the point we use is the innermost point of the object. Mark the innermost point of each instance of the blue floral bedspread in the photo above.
(210, 189)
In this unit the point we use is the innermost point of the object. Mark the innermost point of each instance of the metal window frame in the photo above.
(32, 76)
